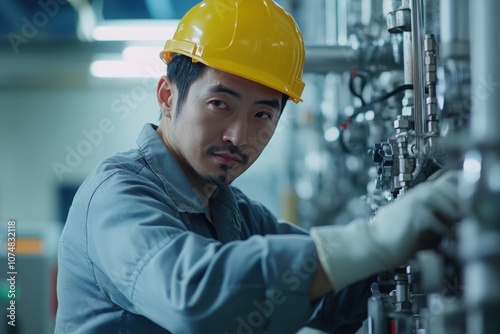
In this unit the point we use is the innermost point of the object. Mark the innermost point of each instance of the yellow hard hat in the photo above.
(255, 39)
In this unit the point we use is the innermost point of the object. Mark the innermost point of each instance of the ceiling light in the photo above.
(135, 30)
(124, 69)
(141, 53)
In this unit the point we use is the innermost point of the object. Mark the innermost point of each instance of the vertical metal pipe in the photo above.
(342, 25)
(408, 65)
(454, 25)
(418, 79)
(377, 321)
(485, 49)
(331, 22)
(430, 49)
(480, 232)
(311, 19)
(454, 83)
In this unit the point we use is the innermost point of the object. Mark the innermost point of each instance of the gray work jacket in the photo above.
(138, 254)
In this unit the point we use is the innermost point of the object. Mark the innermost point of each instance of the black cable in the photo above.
(366, 107)
(379, 99)
(357, 111)
(342, 142)
(396, 91)
(363, 78)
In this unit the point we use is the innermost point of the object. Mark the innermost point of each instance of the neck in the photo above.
(204, 189)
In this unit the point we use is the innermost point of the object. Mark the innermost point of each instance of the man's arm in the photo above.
(147, 262)
(321, 285)
(335, 311)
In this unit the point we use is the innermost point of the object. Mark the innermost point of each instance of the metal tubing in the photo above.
(341, 58)
(331, 23)
(342, 24)
(324, 59)
(485, 68)
(331, 58)
(408, 63)
(418, 82)
(454, 28)
(480, 238)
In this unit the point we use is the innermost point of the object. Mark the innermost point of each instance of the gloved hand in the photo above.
(362, 248)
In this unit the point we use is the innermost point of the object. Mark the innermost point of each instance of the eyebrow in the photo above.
(273, 103)
(220, 88)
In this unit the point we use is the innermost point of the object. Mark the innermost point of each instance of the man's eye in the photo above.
(219, 104)
(264, 115)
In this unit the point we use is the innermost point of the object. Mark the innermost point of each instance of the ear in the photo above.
(165, 93)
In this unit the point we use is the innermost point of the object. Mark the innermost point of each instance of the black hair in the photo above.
(183, 71)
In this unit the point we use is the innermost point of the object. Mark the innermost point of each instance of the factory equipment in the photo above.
(408, 88)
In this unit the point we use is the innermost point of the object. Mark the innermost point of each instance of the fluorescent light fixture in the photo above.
(141, 53)
(135, 30)
(140, 59)
(124, 69)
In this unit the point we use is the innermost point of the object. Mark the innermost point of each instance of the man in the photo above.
(157, 241)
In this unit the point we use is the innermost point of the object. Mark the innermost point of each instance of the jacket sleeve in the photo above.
(147, 262)
(337, 312)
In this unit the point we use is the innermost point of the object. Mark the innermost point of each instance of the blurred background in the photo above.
(389, 90)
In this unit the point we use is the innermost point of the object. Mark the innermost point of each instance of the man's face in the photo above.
(224, 125)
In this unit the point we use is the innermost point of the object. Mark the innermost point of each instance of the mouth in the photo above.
(228, 159)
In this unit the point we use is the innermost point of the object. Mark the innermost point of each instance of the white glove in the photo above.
(361, 248)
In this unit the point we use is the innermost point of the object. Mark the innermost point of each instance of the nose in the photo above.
(236, 132)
